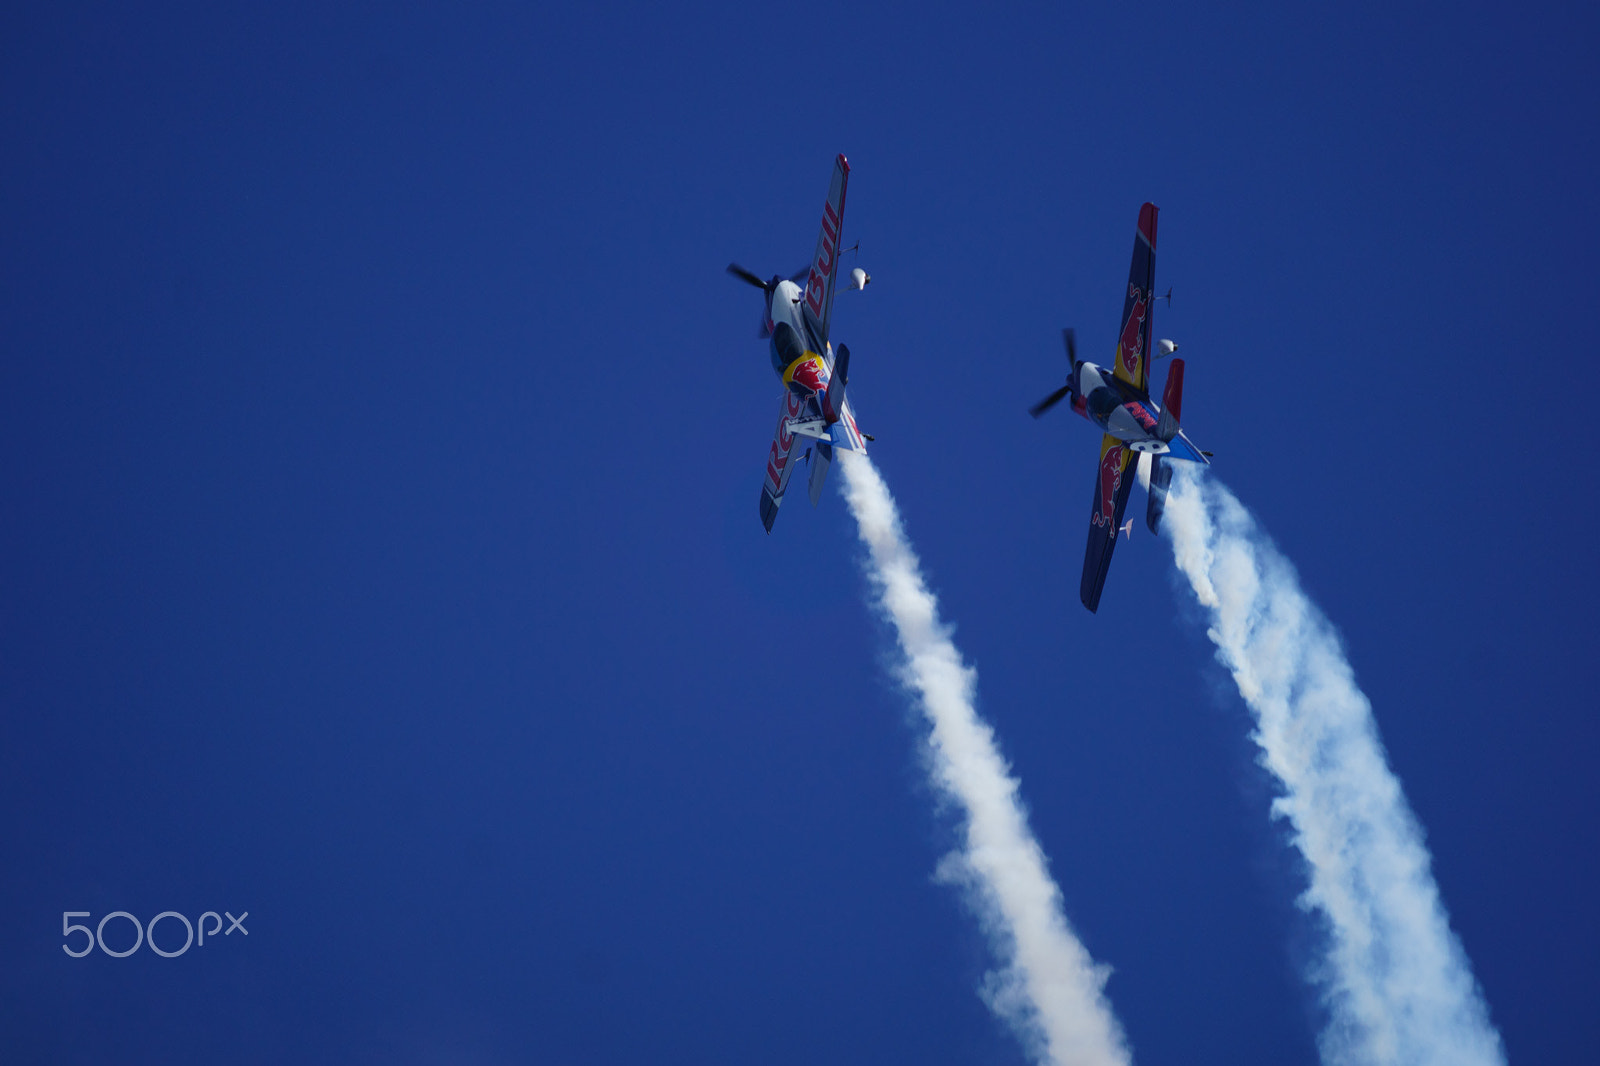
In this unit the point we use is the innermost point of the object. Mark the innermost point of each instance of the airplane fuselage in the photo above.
(804, 365)
(1112, 404)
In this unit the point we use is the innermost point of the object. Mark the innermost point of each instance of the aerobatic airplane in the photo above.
(815, 416)
(1137, 432)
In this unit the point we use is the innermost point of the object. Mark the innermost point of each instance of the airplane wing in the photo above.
(1113, 484)
(1133, 343)
(782, 456)
(818, 303)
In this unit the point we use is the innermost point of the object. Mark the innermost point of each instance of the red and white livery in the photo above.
(815, 416)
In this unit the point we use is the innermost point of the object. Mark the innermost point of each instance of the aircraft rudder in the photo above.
(1171, 402)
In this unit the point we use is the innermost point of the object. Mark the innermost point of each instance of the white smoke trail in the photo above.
(1396, 982)
(1049, 989)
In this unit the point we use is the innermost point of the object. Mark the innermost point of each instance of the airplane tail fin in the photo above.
(1167, 429)
(1171, 402)
(833, 398)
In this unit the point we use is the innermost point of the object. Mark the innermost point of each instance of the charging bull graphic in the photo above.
(1111, 464)
(1131, 347)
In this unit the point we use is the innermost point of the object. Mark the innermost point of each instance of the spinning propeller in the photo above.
(744, 275)
(1071, 340)
(767, 286)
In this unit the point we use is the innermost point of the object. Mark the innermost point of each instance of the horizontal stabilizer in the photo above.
(1181, 447)
(846, 434)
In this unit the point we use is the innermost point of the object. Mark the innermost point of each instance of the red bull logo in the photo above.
(822, 269)
(809, 373)
(1131, 348)
(1111, 465)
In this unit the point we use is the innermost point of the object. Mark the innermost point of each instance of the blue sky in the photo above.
(382, 449)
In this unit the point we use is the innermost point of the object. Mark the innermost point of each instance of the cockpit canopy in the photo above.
(785, 346)
(1102, 402)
